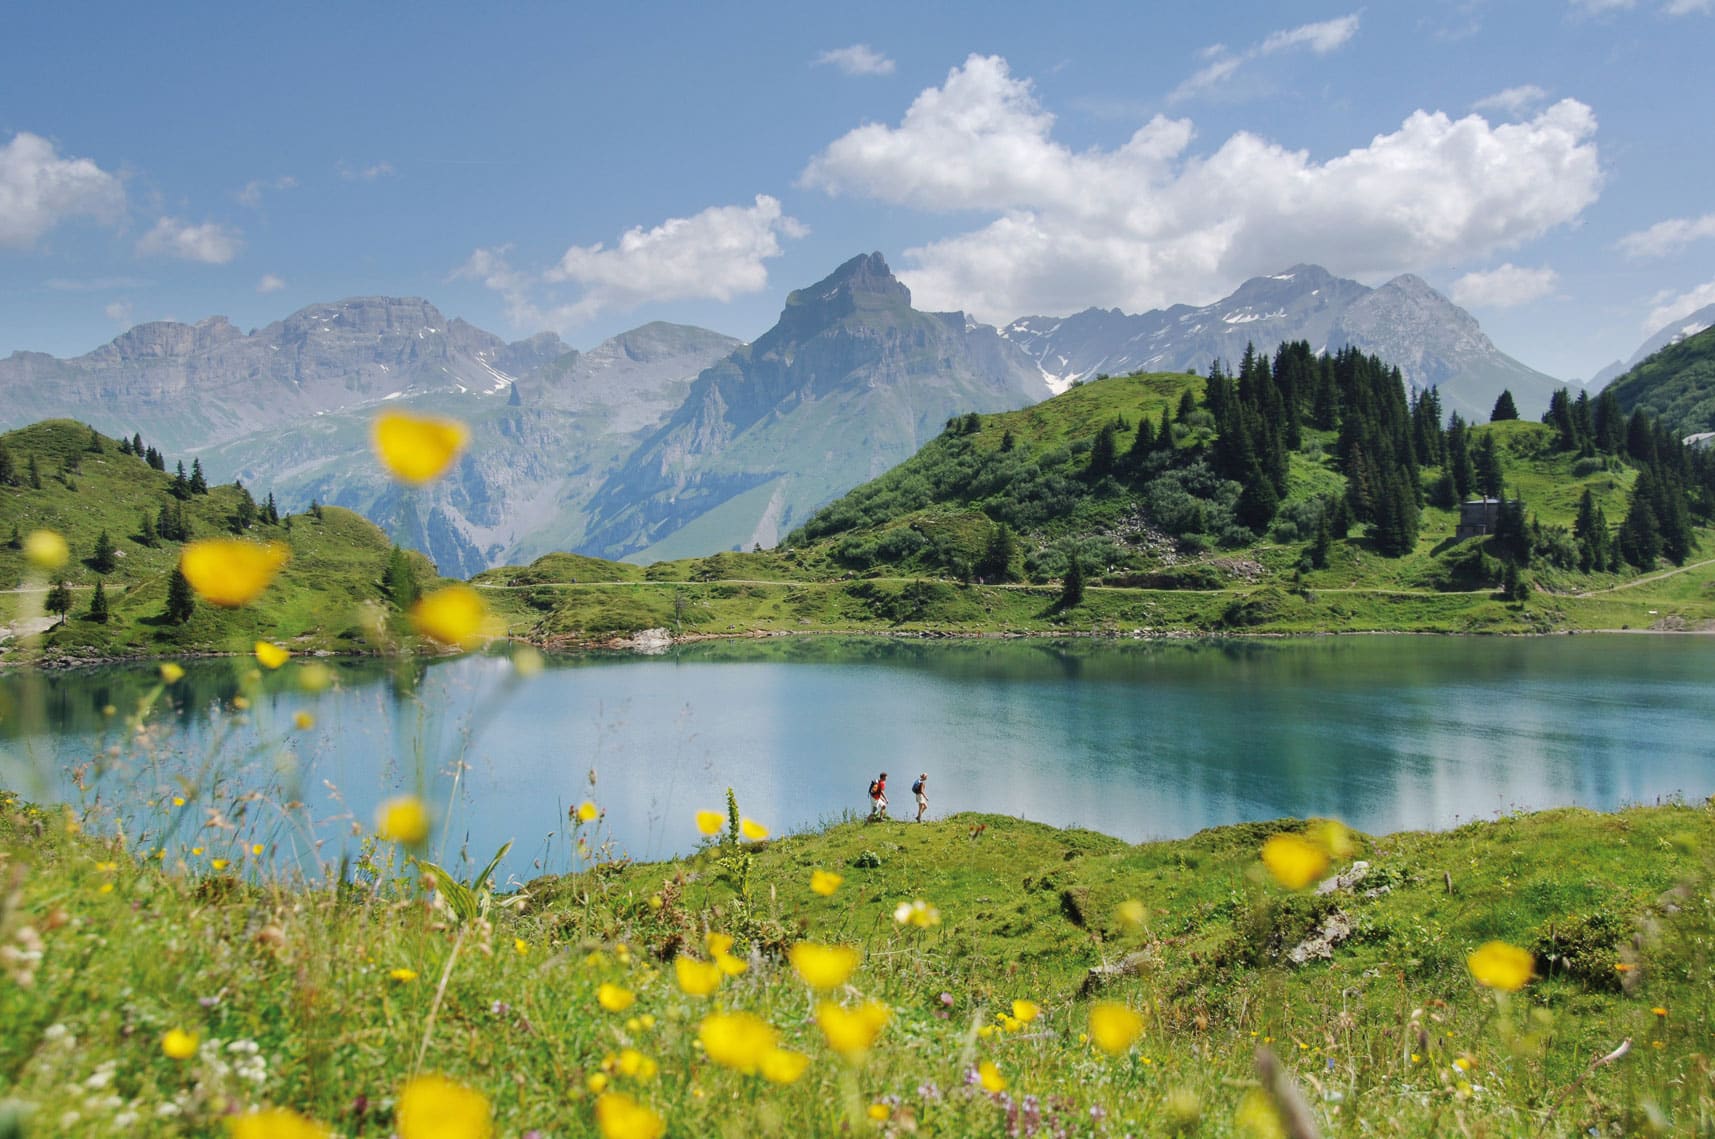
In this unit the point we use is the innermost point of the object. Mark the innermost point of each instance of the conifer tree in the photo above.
(997, 556)
(104, 558)
(16, 541)
(137, 445)
(270, 512)
(35, 473)
(155, 459)
(181, 485)
(1072, 585)
(98, 603)
(8, 469)
(1102, 453)
(198, 484)
(1590, 531)
(1007, 442)
(1143, 443)
(1505, 408)
(181, 599)
(58, 600)
(94, 445)
(398, 581)
(146, 534)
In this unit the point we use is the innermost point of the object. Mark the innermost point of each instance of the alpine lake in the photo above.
(1138, 739)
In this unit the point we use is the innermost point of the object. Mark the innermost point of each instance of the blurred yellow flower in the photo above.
(257, 848)
(46, 550)
(403, 976)
(416, 449)
(990, 1077)
(879, 1112)
(172, 673)
(621, 1117)
(178, 1044)
(1332, 836)
(456, 616)
(632, 1064)
(219, 863)
(1026, 1011)
(304, 721)
(1114, 1027)
(752, 830)
(696, 978)
(1498, 965)
(520, 946)
(851, 1032)
(918, 913)
(613, 998)
(784, 1066)
(315, 677)
(434, 1107)
(403, 819)
(588, 811)
(823, 967)
(271, 655)
(738, 1040)
(597, 1082)
(1293, 860)
(230, 572)
(1131, 913)
(824, 882)
(274, 1123)
(709, 822)
(1257, 1116)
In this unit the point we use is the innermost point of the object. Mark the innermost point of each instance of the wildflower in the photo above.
(784, 1066)
(1293, 860)
(588, 811)
(709, 822)
(1257, 1116)
(315, 677)
(403, 819)
(823, 967)
(274, 1123)
(696, 978)
(613, 998)
(178, 1044)
(634, 1065)
(1114, 1027)
(989, 1076)
(520, 946)
(434, 1107)
(417, 449)
(171, 674)
(257, 848)
(918, 913)
(403, 976)
(196, 851)
(1659, 1011)
(231, 572)
(752, 830)
(824, 882)
(1131, 913)
(304, 721)
(271, 655)
(1026, 1011)
(46, 550)
(1497, 965)
(851, 1032)
(1333, 836)
(597, 1082)
(878, 1112)
(455, 616)
(738, 1040)
(219, 863)
(621, 1117)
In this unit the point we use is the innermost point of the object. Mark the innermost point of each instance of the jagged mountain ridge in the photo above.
(1404, 321)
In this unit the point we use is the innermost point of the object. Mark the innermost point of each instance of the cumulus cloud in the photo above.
(270, 284)
(858, 59)
(1150, 222)
(364, 173)
(39, 188)
(1512, 101)
(1666, 237)
(1671, 308)
(211, 242)
(717, 254)
(251, 194)
(1320, 38)
(1504, 287)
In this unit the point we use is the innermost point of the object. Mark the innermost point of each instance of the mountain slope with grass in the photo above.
(1676, 385)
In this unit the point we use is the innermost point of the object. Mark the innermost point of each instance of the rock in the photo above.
(1335, 928)
(1345, 880)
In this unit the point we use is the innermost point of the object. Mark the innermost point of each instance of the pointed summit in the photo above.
(863, 284)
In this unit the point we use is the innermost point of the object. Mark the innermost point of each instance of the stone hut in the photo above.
(1477, 518)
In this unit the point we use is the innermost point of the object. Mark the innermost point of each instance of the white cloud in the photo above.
(713, 255)
(1666, 237)
(1688, 7)
(1597, 7)
(1512, 101)
(859, 59)
(211, 242)
(119, 312)
(1148, 222)
(251, 194)
(39, 189)
(270, 284)
(1678, 308)
(1504, 287)
(1320, 38)
(364, 173)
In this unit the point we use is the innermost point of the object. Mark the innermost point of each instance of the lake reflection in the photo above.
(1136, 739)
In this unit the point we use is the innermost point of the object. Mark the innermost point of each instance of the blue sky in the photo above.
(527, 166)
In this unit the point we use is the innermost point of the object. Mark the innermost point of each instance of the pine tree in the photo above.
(181, 485)
(146, 534)
(181, 599)
(1505, 408)
(98, 603)
(512, 399)
(244, 516)
(58, 600)
(270, 512)
(1322, 543)
(1590, 531)
(1640, 534)
(137, 445)
(398, 581)
(315, 510)
(1102, 454)
(1072, 586)
(8, 469)
(35, 473)
(105, 558)
(94, 446)
(16, 541)
(1491, 475)
(155, 459)
(1007, 442)
(124, 445)
(198, 484)
(997, 556)
(1143, 443)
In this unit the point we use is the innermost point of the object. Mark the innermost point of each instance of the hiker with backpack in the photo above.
(919, 789)
(878, 797)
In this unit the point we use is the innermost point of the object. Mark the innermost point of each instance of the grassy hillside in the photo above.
(337, 563)
(1676, 385)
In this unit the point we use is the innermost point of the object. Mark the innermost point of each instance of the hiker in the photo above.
(920, 789)
(878, 797)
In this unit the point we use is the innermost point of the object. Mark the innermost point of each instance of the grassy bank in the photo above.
(326, 998)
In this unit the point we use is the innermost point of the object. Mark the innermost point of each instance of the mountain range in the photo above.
(1682, 329)
(667, 440)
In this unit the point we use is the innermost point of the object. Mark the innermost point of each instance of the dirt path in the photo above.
(1636, 581)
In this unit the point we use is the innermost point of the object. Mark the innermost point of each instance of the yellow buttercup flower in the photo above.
(990, 1077)
(219, 863)
(434, 1107)
(621, 1117)
(230, 572)
(172, 673)
(588, 811)
(416, 449)
(851, 1032)
(613, 998)
(271, 655)
(403, 976)
(1332, 836)
(178, 1044)
(304, 721)
(257, 848)
(1498, 965)
(1293, 860)
(709, 822)
(823, 967)
(718, 943)
(1257, 1117)
(46, 550)
(696, 978)
(824, 882)
(520, 947)
(879, 1112)
(738, 1040)
(403, 819)
(918, 913)
(456, 616)
(752, 830)
(274, 1123)
(1114, 1027)
(1026, 1011)
(784, 1066)
(1131, 913)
